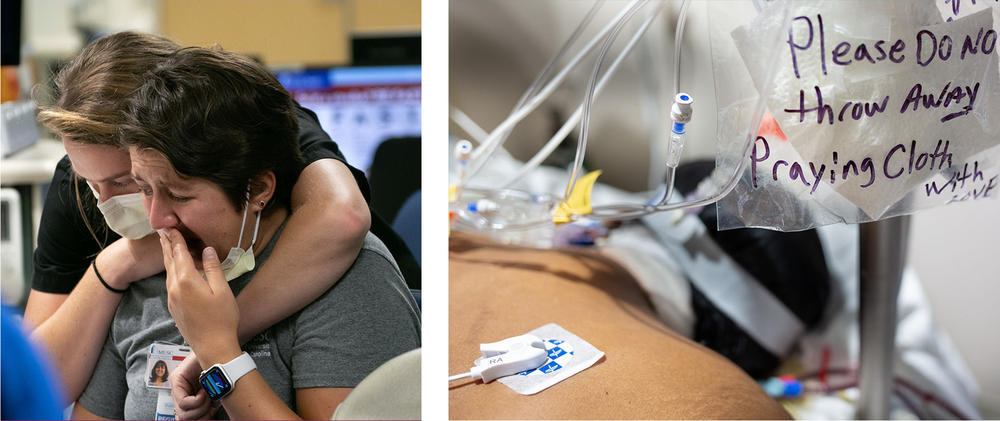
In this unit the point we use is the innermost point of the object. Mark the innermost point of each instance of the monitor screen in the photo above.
(359, 106)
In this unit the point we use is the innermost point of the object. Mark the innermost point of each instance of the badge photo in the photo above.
(163, 358)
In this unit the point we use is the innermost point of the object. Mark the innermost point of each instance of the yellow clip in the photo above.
(452, 193)
(579, 202)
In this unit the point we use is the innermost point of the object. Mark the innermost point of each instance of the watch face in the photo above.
(215, 383)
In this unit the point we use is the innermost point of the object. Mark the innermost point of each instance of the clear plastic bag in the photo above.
(879, 109)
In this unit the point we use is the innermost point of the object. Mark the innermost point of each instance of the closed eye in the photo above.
(122, 184)
(176, 198)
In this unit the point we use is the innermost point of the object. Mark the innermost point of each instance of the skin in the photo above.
(159, 371)
(192, 212)
(73, 326)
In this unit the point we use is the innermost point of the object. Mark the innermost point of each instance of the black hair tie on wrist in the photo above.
(101, 278)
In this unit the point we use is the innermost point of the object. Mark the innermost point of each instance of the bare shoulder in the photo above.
(648, 371)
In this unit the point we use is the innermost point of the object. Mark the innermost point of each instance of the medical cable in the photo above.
(480, 154)
(570, 124)
(506, 357)
(460, 376)
(851, 373)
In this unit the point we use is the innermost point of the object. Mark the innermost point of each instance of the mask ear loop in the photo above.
(243, 224)
(256, 225)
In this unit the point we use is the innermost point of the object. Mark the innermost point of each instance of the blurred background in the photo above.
(355, 63)
(498, 47)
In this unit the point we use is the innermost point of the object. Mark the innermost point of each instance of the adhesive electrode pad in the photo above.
(567, 355)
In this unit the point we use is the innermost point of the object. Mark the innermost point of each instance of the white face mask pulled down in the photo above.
(125, 214)
(240, 261)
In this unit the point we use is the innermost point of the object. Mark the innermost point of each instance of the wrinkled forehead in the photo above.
(151, 166)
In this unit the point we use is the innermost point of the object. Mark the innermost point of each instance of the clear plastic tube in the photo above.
(509, 209)
(632, 211)
(568, 126)
(546, 71)
(480, 154)
(678, 37)
(588, 101)
(468, 124)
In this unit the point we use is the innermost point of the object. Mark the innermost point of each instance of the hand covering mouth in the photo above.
(194, 244)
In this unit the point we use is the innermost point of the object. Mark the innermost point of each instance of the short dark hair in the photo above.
(218, 116)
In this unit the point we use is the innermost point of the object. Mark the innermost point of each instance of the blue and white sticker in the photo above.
(560, 354)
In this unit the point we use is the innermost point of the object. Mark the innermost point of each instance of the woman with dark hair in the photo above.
(212, 142)
(158, 375)
(93, 239)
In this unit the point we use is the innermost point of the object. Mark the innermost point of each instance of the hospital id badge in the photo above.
(164, 406)
(163, 359)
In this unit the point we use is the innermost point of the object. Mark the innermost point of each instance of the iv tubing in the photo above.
(570, 124)
(478, 158)
(678, 36)
(589, 98)
(632, 211)
(668, 180)
(546, 71)
(466, 123)
(635, 211)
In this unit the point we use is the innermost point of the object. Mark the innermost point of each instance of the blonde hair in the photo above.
(90, 96)
(91, 90)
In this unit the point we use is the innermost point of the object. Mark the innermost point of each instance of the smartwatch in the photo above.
(219, 379)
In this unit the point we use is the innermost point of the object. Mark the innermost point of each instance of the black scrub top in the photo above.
(66, 246)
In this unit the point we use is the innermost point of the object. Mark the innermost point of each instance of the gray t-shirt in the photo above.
(365, 319)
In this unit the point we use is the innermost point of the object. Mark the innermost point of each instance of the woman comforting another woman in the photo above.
(213, 143)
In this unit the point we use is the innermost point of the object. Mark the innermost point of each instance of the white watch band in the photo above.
(238, 367)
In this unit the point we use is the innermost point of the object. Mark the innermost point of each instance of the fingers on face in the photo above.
(210, 260)
(213, 270)
(177, 243)
(176, 256)
(166, 249)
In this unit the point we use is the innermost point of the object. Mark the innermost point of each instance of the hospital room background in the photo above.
(497, 48)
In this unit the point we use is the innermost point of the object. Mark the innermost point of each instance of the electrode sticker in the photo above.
(560, 354)
(568, 354)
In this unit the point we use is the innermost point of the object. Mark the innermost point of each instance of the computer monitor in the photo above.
(359, 106)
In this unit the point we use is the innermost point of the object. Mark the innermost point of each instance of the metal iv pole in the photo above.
(883, 246)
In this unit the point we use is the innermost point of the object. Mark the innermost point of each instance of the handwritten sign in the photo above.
(885, 110)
